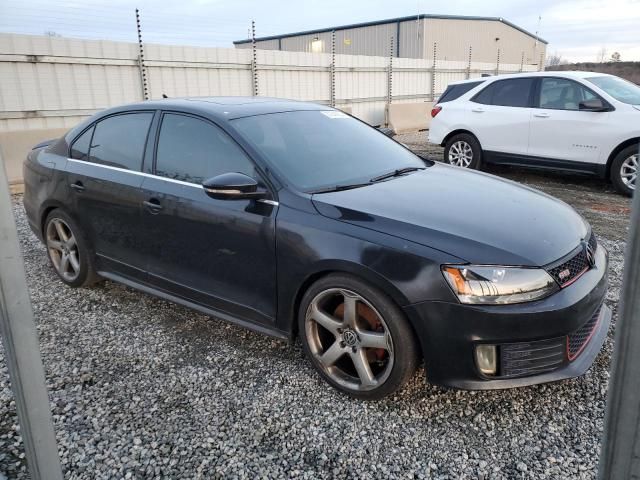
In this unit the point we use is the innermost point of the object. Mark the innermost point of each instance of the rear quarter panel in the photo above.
(44, 185)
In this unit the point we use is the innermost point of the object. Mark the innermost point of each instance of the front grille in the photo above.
(579, 339)
(531, 358)
(569, 271)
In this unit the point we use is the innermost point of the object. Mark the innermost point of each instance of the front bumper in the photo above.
(449, 332)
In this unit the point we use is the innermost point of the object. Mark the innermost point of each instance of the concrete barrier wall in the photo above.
(15, 146)
(409, 117)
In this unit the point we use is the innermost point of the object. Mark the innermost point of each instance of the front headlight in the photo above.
(494, 285)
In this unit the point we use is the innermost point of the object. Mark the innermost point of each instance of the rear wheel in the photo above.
(356, 337)
(463, 150)
(68, 250)
(624, 170)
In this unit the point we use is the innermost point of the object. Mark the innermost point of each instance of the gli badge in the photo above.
(564, 274)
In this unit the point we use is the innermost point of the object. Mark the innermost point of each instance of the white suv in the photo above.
(574, 121)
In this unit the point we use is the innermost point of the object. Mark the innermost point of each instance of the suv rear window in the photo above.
(514, 92)
(454, 92)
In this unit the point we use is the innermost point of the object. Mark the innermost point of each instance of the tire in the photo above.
(64, 238)
(624, 170)
(369, 355)
(463, 150)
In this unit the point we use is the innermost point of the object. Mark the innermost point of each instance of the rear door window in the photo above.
(119, 141)
(80, 148)
(194, 150)
(514, 92)
(453, 92)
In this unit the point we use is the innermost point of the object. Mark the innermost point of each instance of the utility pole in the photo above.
(390, 74)
(332, 93)
(22, 349)
(141, 66)
(254, 59)
(433, 73)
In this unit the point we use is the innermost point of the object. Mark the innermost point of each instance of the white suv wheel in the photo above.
(460, 154)
(629, 171)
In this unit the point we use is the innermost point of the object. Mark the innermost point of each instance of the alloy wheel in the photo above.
(349, 339)
(460, 154)
(63, 249)
(629, 171)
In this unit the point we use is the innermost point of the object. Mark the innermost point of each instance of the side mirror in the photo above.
(594, 105)
(233, 186)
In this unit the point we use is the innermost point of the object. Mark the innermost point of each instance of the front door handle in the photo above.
(478, 110)
(541, 115)
(153, 205)
(78, 186)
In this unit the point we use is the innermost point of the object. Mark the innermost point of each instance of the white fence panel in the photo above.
(296, 75)
(50, 82)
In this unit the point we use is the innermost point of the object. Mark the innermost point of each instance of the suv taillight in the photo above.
(435, 111)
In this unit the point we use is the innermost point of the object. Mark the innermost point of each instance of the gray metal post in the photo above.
(23, 350)
(333, 69)
(389, 82)
(254, 59)
(498, 63)
(522, 62)
(390, 74)
(469, 63)
(433, 73)
(141, 66)
(620, 457)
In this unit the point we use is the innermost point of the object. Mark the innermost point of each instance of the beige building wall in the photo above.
(417, 37)
(454, 37)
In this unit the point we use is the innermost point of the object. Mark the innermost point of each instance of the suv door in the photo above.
(104, 180)
(500, 115)
(560, 130)
(216, 253)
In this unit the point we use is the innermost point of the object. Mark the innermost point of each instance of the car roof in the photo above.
(547, 73)
(221, 108)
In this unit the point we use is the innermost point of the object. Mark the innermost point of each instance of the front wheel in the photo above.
(356, 337)
(463, 150)
(624, 170)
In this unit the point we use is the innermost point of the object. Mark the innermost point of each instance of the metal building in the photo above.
(415, 37)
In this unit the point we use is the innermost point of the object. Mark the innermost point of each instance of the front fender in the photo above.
(310, 246)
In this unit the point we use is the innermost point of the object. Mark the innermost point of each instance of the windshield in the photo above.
(621, 90)
(319, 149)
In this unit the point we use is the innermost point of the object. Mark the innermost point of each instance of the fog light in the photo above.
(487, 359)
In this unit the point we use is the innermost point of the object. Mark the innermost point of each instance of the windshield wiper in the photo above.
(339, 188)
(395, 173)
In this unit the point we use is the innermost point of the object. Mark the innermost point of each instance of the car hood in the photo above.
(474, 216)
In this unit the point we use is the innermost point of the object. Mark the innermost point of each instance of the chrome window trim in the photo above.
(157, 177)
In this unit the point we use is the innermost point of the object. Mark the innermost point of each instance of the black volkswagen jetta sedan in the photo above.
(292, 218)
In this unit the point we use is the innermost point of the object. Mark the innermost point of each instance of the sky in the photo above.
(578, 30)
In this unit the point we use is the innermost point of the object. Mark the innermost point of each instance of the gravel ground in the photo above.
(141, 388)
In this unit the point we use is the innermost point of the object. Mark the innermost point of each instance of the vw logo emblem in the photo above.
(350, 337)
(591, 255)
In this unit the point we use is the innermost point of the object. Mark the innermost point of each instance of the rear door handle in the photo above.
(478, 110)
(153, 205)
(541, 115)
(77, 186)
